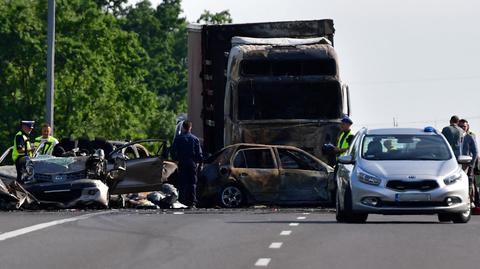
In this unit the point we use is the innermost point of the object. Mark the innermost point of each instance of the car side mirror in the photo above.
(464, 159)
(224, 170)
(346, 159)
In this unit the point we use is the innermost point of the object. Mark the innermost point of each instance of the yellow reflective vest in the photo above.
(15, 153)
(343, 141)
(48, 144)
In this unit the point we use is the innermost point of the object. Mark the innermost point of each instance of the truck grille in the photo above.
(423, 185)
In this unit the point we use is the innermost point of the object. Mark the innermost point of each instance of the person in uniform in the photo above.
(187, 151)
(22, 146)
(345, 137)
(46, 142)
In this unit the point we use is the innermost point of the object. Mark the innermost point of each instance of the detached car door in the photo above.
(257, 170)
(303, 179)
(144, 172)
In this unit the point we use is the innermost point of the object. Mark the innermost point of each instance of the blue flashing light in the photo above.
(429, 129)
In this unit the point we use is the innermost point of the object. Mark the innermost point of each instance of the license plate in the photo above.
(412, 197)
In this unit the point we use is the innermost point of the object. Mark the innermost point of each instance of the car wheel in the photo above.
(339, 213)
(347, 214)
(443, 217)
(463, 217)
(232, 196)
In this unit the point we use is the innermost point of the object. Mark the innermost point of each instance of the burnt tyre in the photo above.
(232, 196)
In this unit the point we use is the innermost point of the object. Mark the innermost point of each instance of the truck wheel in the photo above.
(232, 196)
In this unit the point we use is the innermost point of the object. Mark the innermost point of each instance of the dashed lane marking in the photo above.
(276, 245)
(45, 225)
(263, 262)
(294, 224)
(301, 218)
(178, 213)
(285, 233)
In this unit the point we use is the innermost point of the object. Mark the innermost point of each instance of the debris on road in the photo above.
(14, 196)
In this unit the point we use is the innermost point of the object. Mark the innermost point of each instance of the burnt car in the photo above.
(243, 174)
(89, 180)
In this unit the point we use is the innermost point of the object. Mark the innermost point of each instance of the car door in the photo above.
(303, 179)
(144, 172)
(257, 170)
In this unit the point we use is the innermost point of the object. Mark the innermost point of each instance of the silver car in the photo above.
(401, 171)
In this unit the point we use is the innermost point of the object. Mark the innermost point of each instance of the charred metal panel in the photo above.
(216, 45)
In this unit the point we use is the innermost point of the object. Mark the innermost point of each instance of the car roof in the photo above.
(401, 131)
(262, 145)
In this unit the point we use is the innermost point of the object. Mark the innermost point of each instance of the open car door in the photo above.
(146, 168)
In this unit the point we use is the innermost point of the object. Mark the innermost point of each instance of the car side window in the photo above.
(292, 159)
(254, 158)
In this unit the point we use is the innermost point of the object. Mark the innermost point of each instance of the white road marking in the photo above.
(178, 213)
(286, 233)
(294, 224)
(301, 218)
(45, 225)
(306, 213)
(263, 262)
(276, 245)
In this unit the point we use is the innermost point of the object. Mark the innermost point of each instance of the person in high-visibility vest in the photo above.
(345, 137)
(46, 142)
(22, 146)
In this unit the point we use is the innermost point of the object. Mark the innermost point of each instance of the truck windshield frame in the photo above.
(294, 99)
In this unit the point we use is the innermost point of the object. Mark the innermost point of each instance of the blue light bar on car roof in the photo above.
(429, 129)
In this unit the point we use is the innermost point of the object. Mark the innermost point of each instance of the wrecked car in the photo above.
(243, 174)
(89, 180)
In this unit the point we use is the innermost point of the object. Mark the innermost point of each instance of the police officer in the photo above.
(22, 146)
(186, 150)
(345, 138)
(46, 142)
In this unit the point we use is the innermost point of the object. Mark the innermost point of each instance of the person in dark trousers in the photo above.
(187, 151)
(469, 148)
(22, 146)
(454, 135)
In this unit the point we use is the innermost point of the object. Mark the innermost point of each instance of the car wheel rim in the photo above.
(231, 196)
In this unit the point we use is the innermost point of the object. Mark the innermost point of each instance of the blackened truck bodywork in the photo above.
(273, 83)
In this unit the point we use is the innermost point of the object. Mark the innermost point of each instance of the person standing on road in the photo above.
(469, 148)
(46, 141)
(22, 146)
(187, 151)
(454, 135)
(345, 138)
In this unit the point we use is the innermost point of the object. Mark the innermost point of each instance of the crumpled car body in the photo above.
(13, 196)
(88, 181)
(243, 174)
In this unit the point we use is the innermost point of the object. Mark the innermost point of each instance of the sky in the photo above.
(413, 60)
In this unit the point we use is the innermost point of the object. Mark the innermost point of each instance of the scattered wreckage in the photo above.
(242, 174)
(81, 180)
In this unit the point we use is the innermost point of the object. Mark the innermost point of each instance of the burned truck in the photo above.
(269, 83)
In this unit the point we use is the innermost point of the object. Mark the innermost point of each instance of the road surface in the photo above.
(253, 238)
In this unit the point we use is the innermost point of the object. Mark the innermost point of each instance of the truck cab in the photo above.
(284, 91)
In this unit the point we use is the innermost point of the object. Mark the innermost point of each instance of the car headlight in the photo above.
(453, 178)
(368, 179)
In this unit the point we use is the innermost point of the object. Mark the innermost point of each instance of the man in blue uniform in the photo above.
(186, 150)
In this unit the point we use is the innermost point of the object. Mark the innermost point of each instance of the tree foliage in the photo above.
(222, 17)
(120, 71)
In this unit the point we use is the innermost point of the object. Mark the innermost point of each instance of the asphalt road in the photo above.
(266, 238)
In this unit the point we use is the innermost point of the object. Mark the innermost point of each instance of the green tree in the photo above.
(208, 17)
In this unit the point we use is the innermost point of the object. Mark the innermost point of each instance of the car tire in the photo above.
(347, 215)
(463, 217)
(443, 217)
(232, 196)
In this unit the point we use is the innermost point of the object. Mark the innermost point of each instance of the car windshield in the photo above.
(405, 147)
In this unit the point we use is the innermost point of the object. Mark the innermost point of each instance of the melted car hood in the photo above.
(392, 169)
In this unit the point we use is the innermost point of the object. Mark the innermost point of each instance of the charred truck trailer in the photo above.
(269, 83)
